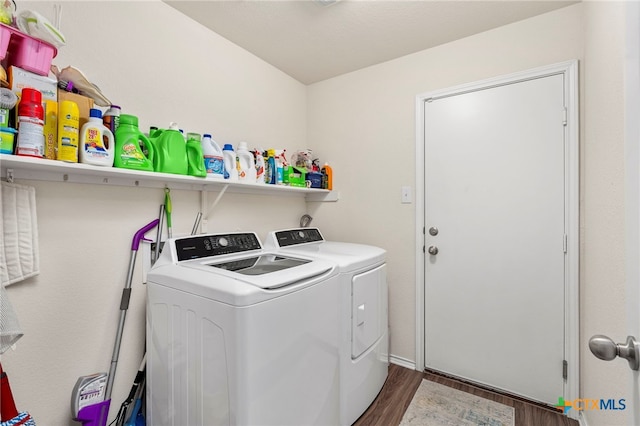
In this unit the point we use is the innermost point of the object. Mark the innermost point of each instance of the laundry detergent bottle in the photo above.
(97, 143)
(213, 158)
(170, 151)
(247, 165)
(128, 154)
(195, 156)
(230, 165)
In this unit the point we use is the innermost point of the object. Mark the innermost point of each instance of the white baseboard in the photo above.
(402, 362)
(582, 420)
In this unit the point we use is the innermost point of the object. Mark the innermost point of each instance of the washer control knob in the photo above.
(433, 250)
(223, 242)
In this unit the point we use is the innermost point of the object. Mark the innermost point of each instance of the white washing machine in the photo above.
(238, 335)
(364, 341)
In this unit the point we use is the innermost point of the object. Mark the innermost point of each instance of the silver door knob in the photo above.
(433, 250)
(605, 348)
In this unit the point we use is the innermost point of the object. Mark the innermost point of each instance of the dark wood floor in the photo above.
(402, 383)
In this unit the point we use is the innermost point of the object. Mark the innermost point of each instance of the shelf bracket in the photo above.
(209, 210)
(10, 175)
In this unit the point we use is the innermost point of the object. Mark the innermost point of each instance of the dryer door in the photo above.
(367, 309)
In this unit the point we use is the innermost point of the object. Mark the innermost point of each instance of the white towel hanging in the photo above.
(19, 252)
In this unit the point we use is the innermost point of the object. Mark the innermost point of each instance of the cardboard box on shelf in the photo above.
(84, 104)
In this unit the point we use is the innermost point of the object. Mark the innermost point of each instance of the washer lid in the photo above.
(309, 242)
(264, 270)
(260, 264)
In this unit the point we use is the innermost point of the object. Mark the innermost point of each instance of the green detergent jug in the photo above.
(195, 156)
(170, 151)
(128, 153)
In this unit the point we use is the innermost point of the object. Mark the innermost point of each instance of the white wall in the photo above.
(603, 270)
(161, 66)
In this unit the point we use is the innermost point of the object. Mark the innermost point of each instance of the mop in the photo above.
(135, 415)
(91, 396)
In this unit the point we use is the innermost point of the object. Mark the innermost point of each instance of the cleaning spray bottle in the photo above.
(97, 143)
(30, 124)
(327, 177)
(271, 167)
(230, 165)
(279, 170)
(259, 166)
(68, 131)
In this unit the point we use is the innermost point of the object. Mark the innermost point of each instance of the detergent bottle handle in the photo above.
(151, 148)
(139, 236)
(111, 146)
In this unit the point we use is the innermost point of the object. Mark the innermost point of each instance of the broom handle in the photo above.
(124, 304)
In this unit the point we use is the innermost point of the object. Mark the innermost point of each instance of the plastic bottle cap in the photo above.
(31, 95)
(206, 135)
(227, 147)
(115, 106)
(174, 126)
(242, 146)
(95, 113)
(129, 119)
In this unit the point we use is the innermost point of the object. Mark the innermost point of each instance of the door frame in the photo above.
(569, 70)
(632, 186)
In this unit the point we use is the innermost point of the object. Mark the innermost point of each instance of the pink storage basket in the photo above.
(24, 51)
(5, 36)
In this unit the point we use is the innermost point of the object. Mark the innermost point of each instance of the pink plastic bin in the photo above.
(24, 51)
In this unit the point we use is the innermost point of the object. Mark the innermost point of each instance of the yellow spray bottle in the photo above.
(68, 135)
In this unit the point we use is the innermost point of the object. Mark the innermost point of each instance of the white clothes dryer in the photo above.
(364, 341)
(238, 335)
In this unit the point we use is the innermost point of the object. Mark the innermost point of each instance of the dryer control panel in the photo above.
(290, 237)
(215, 245)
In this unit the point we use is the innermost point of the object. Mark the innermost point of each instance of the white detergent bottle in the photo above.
(230, 164)
(213, 157)
(97, 144)
(247, 165)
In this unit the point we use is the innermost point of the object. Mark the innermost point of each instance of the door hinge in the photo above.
(423, 249)
(565, 368)
(565, 243)
(564, 116)
(423, 230)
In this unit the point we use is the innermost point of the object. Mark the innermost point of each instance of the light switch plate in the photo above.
(406, 195)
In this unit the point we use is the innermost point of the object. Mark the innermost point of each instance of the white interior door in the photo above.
(495, 212)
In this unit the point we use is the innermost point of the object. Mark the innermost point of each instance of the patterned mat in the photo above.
(438, 405)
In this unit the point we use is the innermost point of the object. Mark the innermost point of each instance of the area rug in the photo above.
(438, 405)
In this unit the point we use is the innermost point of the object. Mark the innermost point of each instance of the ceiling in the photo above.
(312, 42)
